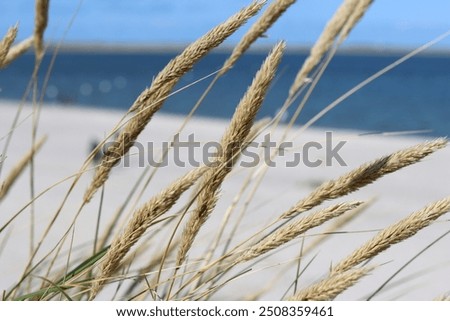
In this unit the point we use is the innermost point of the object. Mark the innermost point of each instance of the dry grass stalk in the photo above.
(329, 288)
(254, 132)
(232, 142)
(41, 21)
(19, 167)
(141, 220)
(7, 42)
(324, 43)
(395, 233)
(152, 99)
(365, 175)
(267, 19)
(354, 18)
(16, 51)
(293, 230)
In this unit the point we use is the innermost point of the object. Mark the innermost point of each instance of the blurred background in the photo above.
(400, 23)
(111, 50)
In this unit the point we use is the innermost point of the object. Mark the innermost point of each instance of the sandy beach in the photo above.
(72, 130)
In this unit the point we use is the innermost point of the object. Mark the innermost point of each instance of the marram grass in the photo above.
(151, 250)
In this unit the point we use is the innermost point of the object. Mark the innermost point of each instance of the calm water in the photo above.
(414, 96)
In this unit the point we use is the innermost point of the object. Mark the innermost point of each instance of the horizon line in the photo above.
(84, 47)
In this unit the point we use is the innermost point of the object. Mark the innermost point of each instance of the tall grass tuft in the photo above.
(152, 253)
(394, 234)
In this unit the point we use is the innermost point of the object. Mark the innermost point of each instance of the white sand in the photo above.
(70, 130)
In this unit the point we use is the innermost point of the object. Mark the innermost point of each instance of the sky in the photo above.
(388, 23)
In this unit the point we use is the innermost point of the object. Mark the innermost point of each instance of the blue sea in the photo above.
(415, 96)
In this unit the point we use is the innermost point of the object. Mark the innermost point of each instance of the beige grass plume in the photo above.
(291, 231)
(141, 220)
(349, 8)
(19, 167)
(267, 19)
(395, 233)
(8, 52)
(16, 51)
(330, 287)
(7, 42)
(232, 142)
(152, 99)
(365, 175)
(41, 21)
(354, 18)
